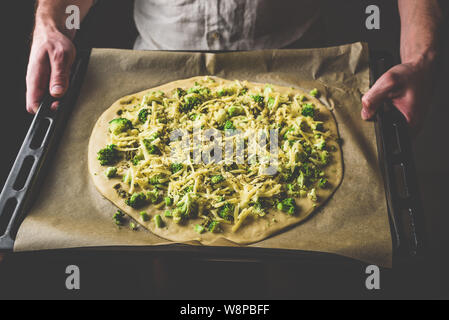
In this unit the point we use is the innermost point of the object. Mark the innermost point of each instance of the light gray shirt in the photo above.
(222, 24)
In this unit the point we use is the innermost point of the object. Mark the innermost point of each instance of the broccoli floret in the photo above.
(308, 110)
(271, 101)
(287, 175)
(127, 177)
(168, 201)
(143, 115)
(314, 92)
(185, 208)
(312, 195)
(119, 218)
(154, 136)
(158, 221)
(199, 90)
(168, 214)
(235, 111)
(151, 148)
(137, 159)
(229, 125)
(216, 179)
(144, 216)
(175, 167)
(153, 96)
(306, 169)
(108, 155)
(179, 93)
(301, 156)
(153, 196)
(214, 226)
(289, 130)
(258, 99)
(292, 189)
(259, 209)
(287, 205)
(137, 200)
(324, 157)
(154, 180)
(322, 183)
(321, 145)
(227, 211)
(268, 89)
(186, 190)
(119, 125)
(307, 148)
(225, 92)
(194, 116)
(318, 127)
(190, 102)
(243, 91)
(110, 172)
(302, 180)
(199, 229)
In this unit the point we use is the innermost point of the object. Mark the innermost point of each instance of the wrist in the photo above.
(49, 26)
(425, 59)
(49, 22)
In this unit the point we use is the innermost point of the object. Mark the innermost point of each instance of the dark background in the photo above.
(153, 275)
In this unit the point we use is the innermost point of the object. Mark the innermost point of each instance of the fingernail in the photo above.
(32, 108)
(365, 115)
(57, 89)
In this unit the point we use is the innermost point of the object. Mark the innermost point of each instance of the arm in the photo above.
(409, 85)
(52, 51)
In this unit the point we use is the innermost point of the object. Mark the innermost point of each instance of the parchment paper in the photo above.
(71, 213)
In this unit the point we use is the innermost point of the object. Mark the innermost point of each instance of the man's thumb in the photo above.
(60, 72)
(380, 92)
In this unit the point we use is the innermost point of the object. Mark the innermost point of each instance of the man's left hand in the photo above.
(409, 86)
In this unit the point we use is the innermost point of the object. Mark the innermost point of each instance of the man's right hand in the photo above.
(51, 57)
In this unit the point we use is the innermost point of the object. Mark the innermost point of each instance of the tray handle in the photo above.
(22, 184)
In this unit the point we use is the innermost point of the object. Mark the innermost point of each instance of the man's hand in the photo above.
(51, 58)
(52, 52)
(408, 85)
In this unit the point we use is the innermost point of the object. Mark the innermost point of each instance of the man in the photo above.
(239, 24)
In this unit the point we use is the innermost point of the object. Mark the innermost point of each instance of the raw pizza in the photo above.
(207, 158)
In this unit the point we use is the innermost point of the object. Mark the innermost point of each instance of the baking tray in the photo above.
(395, 157)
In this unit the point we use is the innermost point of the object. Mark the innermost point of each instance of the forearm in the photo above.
(52, 14)
(420, 20)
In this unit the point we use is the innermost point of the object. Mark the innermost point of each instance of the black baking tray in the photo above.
(395, 157)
